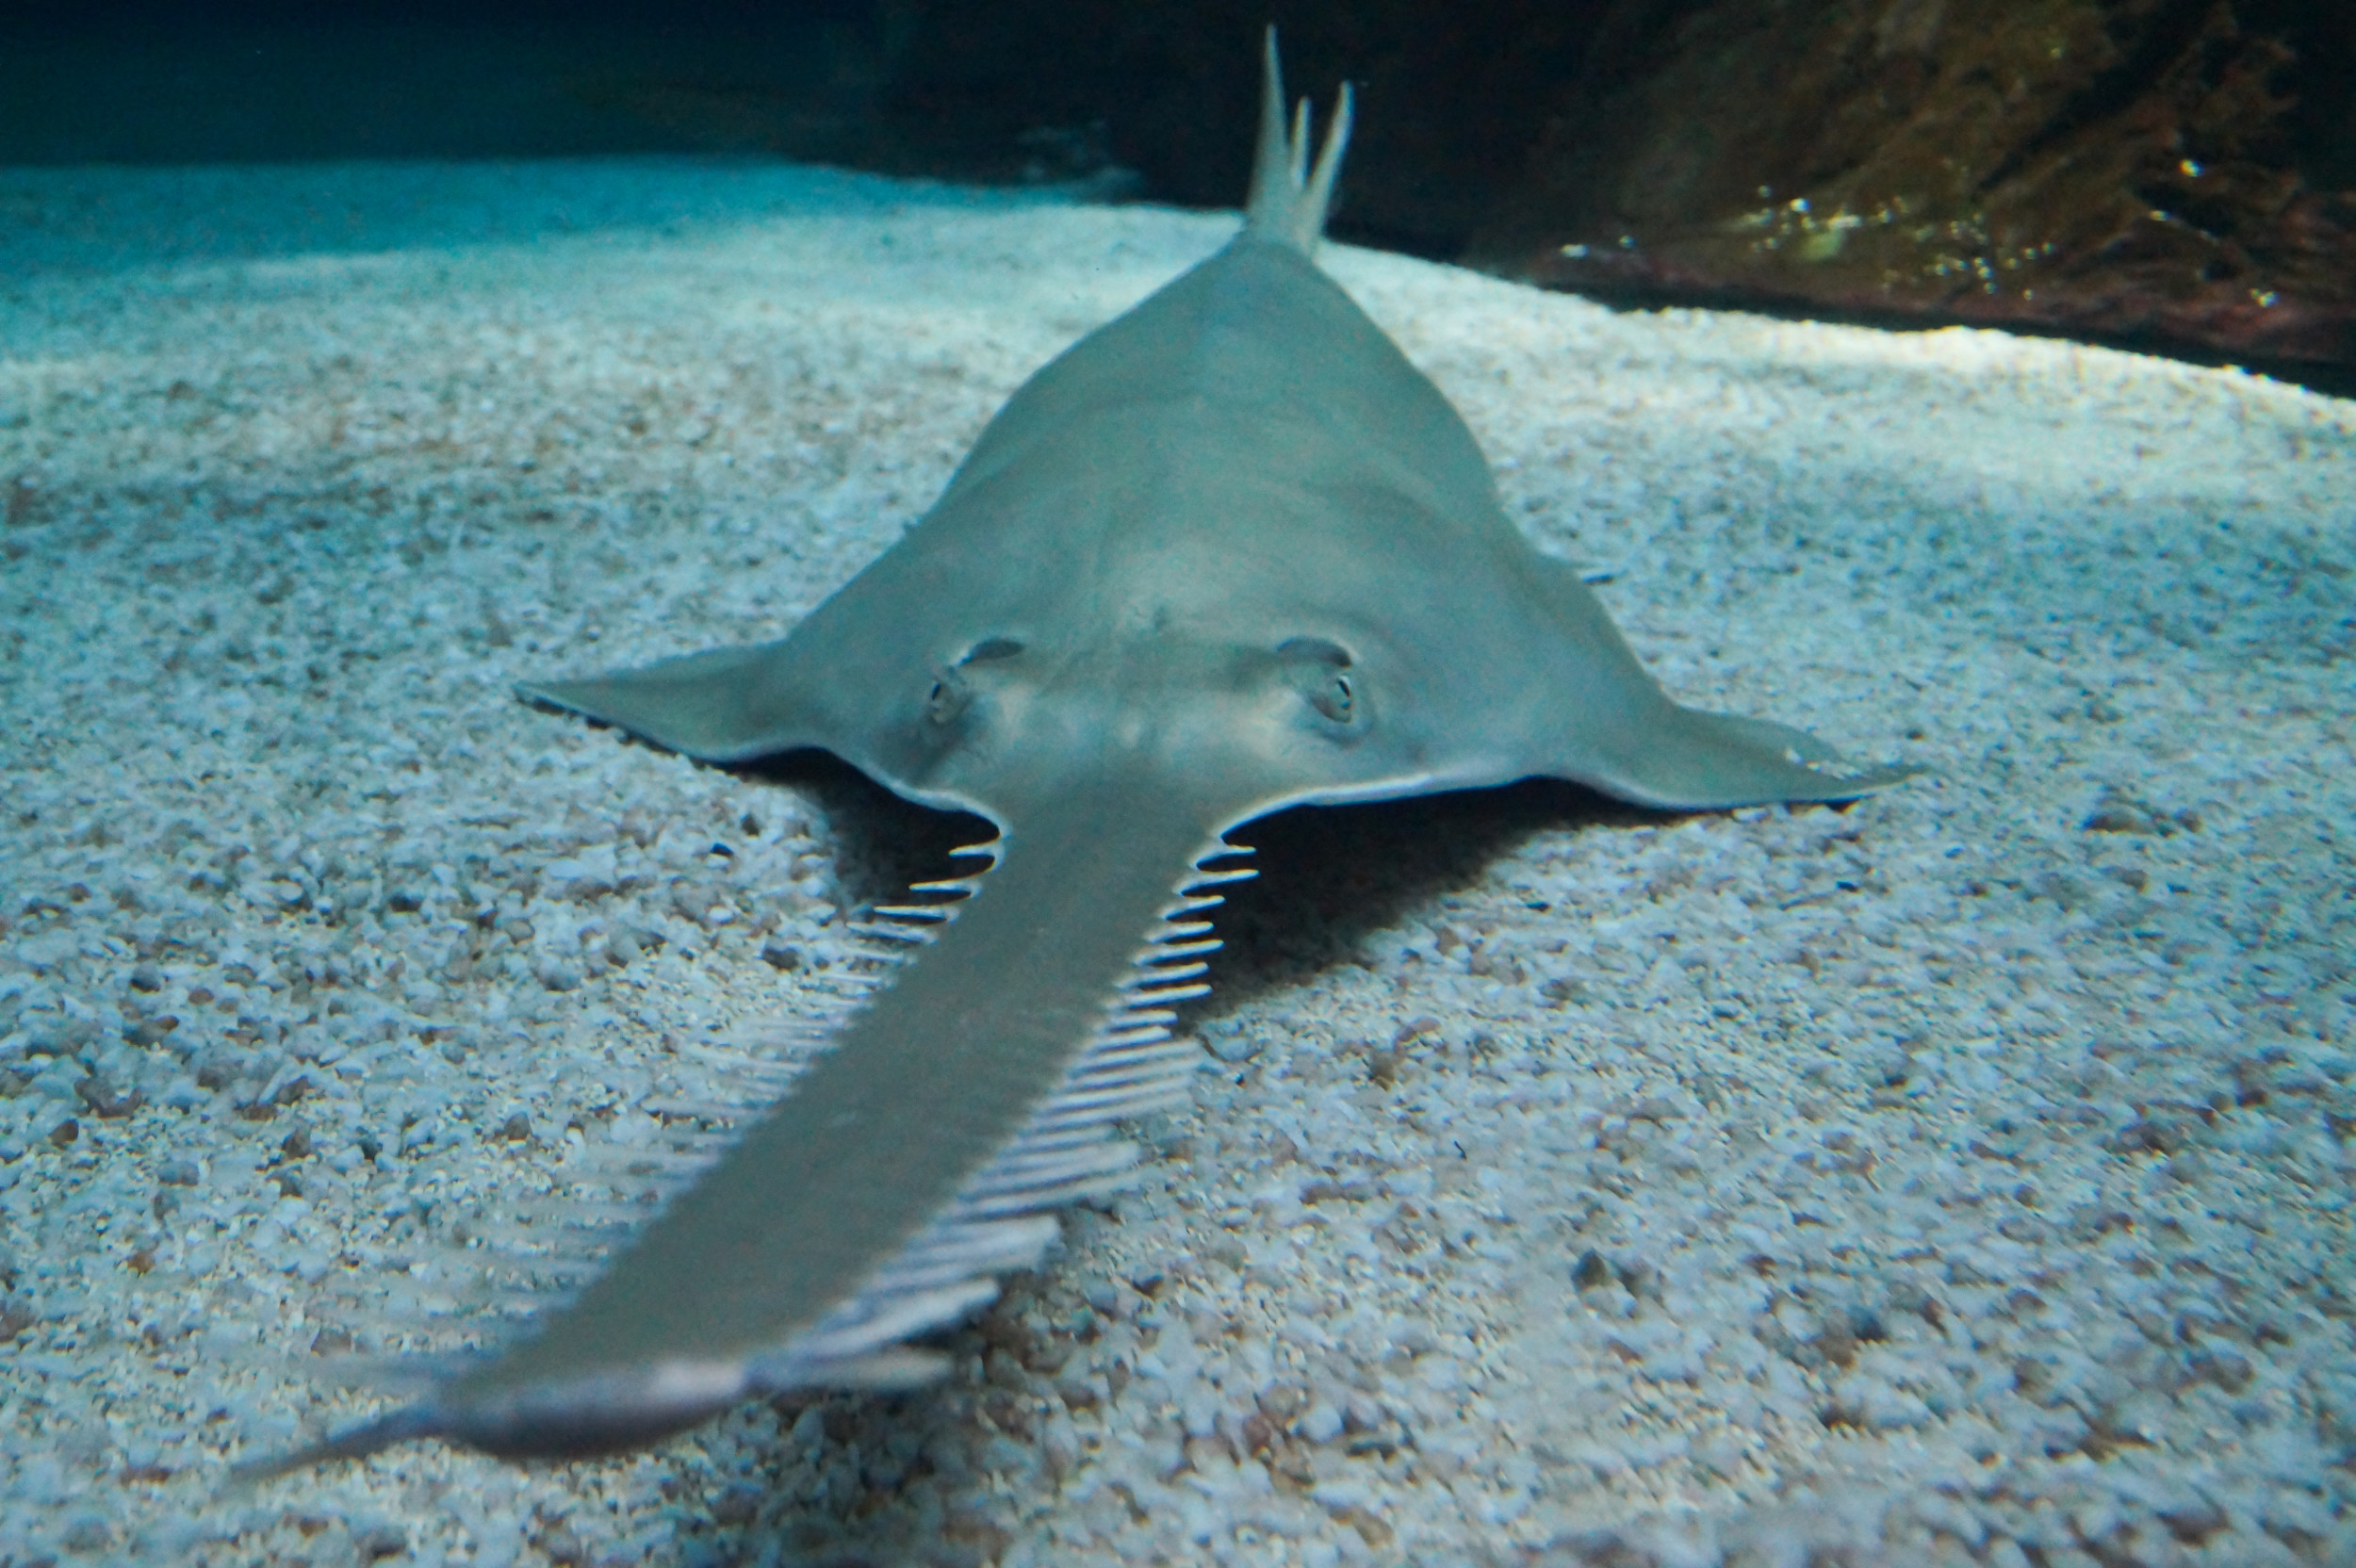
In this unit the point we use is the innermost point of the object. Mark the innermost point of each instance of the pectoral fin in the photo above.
(1688, 760)
(725, 705)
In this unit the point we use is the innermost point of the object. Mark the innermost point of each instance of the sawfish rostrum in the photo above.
(1229, 553)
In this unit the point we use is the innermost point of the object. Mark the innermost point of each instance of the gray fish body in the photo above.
(1229, 553)
(1241, 461)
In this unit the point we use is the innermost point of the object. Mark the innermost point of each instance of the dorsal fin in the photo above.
(1288, 202)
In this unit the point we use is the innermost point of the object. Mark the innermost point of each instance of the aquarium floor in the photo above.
(1958, 1177)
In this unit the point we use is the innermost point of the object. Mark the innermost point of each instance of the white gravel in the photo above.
(1961, 1177)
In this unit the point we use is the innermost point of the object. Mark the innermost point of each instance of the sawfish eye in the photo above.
(1320, 671)
(948, 698)
(952, 693)
(1335, 699)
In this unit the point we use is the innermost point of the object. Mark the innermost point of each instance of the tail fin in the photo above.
(1288, 202)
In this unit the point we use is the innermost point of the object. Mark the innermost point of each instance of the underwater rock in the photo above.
(2167, 172)
(2179, 174)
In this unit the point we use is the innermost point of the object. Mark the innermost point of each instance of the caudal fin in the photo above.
(1288, 200)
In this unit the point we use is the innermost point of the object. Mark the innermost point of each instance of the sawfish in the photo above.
(1228, 554)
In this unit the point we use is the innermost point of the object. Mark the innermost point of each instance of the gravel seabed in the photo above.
(1958, 1177)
